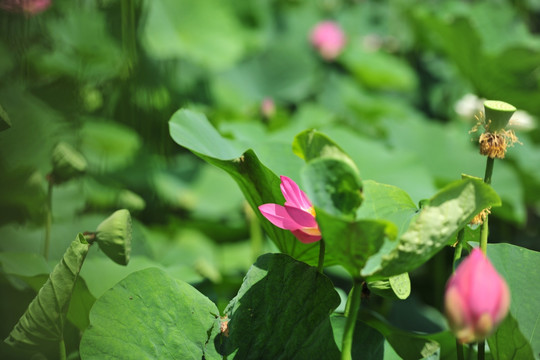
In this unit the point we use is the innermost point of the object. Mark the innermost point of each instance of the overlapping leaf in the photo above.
(43, 322)
(282, 310)
(152, 316)
(258, 183)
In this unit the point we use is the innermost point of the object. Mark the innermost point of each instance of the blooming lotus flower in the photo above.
(476, 299)
(298, 215)
(328, 38)
(31, 7)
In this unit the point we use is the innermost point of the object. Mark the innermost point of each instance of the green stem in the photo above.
(320, 266)
(459, 348)
(484, 231)
(459, 248)
(481, 350)
(48, 221)
(62, 349)
(351, 312)
(489, 170)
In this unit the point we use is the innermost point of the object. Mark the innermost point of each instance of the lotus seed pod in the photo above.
(114, 236)
(497, 114)
(67, 163)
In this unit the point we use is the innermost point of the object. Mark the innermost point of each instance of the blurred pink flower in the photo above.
(477, 298)
(328, 38)
(268, 107)
(31, 7)
(298, 215)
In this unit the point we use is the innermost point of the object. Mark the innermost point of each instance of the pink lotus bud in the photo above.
(31, 7)
(268, 108)
(298, 215)
(477, 298)
(328, 38)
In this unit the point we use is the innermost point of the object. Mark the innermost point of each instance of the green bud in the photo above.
(497, 114)
(114, 236)
(67, 163)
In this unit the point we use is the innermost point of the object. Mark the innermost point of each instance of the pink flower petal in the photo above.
(293, 195)
(301, 217)
(278, 216)
(306, 238)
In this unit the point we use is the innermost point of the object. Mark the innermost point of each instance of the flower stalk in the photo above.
(320, 265)
(351, 313)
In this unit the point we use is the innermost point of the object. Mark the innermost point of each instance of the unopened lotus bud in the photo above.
(477, 299)
(268, 108)
(67, 163)
(329, 39)
(114, 236)
(497, 114)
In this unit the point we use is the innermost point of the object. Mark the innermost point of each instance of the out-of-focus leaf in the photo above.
(5, 123)
(518, 337)
(108, 145)
(82, 47)
(448, 211)
(447, 151)
(154, 316)
(378, 70)
(204, 32)
(282, 309)
(285, 72)
(43, 322)
(258, 184)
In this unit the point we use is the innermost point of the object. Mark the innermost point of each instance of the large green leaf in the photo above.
(518, 337)
(282, 310)
(331, 177)
(258, 183)
(351, 243)
(43, 322)
(448, 211)
(387, 202)
(204, 32)
(152, 316)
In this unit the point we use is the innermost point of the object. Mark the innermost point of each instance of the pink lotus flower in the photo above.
(328, 38)
(268, 107)
(298, 215)
(31, 7)
(477, 298)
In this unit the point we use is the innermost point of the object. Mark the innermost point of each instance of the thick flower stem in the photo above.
(457, 256)
(484, 239)
(320, 265)
(351, 312)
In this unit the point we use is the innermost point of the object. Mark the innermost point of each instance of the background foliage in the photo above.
(107, 76)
